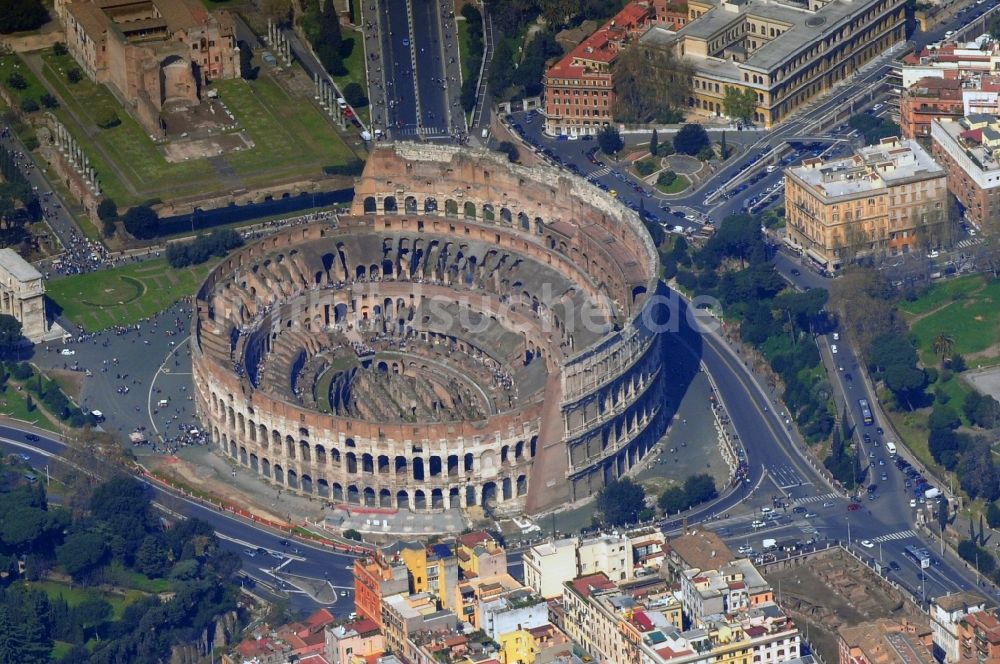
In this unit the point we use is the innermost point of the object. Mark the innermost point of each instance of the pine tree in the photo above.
(654, 143)
(725, 150)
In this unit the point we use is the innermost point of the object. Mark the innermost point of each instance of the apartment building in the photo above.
(479, 555)
(537, 645)
(968, 151)
(886, 199)
(729, 589)
(885, 641)
(579, 95)
(946, 613)
(377, 577)
(951, 60)
(979, 638)
(404, 616)
(547, 566)
(784, 52)
(761, 635)
(929, 99)
(697, 549)
(593, 607)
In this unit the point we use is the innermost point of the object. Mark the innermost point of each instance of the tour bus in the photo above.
(866, 412)
(919, 556)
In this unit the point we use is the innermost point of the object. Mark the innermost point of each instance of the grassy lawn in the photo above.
(675, 187)
(941, 293)
(124, 295)
(12, 63)
(973, 322)
(13, 404)
(127, 144)
(121, 576)
(75, 595)
(291, 137)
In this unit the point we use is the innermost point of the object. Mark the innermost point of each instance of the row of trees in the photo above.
(512, 16)
(511, 77)
(651, 85)
(44, 390)
(735, 268)
(473, 55)
(115, 529)
(623, 501)
(19, 15)
(199, 250)
(19, 204)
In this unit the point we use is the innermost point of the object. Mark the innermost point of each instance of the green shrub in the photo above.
(107, 118)
(666, 178)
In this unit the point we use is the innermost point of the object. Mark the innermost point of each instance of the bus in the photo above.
(866, 412)
(919, 556)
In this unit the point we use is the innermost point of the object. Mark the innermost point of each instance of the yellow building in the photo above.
(538, 645)
(432, 569)
(885, 200)
(784, 52)
(480, 555)
(470, 596)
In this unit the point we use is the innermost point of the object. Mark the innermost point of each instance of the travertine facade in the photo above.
(22, 294)
(489, 329)
(154, 54)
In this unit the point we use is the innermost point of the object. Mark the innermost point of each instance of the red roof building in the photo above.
(929, 99)
(579, 98)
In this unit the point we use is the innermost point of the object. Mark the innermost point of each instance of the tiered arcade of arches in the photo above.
(451, 257)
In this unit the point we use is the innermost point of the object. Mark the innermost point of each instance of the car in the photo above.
(757, 523)
(893, 565)
(836, 336)
(690, 217)
(868, 544)
(678, 214)
(828, 504)
(798, 509)
(283, 542)
(406, 42)
(32, 437)
(881, 462)
(849, 378)
(933, 253)
(745, 550)
(872, 496)
(879, 430)
(809, 515)
(67, 352)
(24, 457)
(278, 554)
(261, 551)
(884, 477)
(877, 107)
(833, 349)
(913, 502)
(867, 437)
(853, 507)
(949, 34)
(343, 593)
(795, 272)
(250, 552)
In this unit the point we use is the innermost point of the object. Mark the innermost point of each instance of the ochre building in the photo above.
(474, 333)
(885, 200)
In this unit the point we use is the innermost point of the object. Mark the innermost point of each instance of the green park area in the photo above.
(965, 310)
(291, 137)
(124, 295)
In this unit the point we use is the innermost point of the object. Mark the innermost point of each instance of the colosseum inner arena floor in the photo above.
(474, 333)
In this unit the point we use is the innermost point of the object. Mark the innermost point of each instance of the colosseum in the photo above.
(474, 332)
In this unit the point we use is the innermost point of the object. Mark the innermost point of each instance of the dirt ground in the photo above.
(832, 590)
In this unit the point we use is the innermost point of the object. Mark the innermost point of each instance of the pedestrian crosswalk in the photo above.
(967, 242)
(902, 534)
(599, 173)
(816, 499)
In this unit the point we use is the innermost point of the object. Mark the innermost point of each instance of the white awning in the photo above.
(816, 256)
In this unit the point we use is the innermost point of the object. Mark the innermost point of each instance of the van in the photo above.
(486, 133)
(772, 168)
(163, 403)
(891, 448)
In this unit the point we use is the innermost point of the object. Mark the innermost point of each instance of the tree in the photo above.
(142, 222)
(81, 552)
(328, 40)
(691, 139)
(29, 106)
(723, 148)
(700, 488)
(151, 558)
(48, 101)
(18, 15)
(107, 209)
(352, 534)
(10, 333)
(942, 514)
(17, 81)
(993, 515)
(501, 73)
(673, 500)
(59, 49)
(354, 95)
(610, 141)
(74, 76)
(943, 417)
(666, 178)
(740, 104)
(654, 143)
(943, 345)
(620, 501)
(651, 84)
(508, 148)
(92, 612)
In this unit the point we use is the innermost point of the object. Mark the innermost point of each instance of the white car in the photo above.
(745, 550)
(757, 523)
(877, 107)
(833, 348)
(867, 544)
(67, 351)
(836, 336)
(690, 217)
